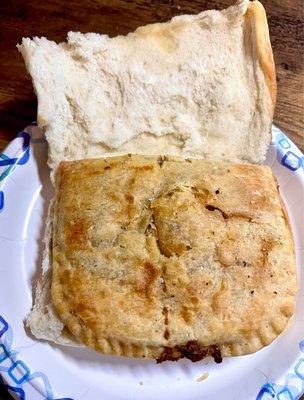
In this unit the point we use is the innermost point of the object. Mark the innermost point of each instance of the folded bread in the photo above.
(201, 86)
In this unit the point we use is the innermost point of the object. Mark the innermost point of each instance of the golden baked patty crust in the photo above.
(168, 258)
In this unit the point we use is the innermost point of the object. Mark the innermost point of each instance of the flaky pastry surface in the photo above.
(151, 255)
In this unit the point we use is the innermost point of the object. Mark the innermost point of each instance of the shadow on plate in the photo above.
(87, 357)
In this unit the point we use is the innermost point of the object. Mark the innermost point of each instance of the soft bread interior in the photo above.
(43, 319)
(200, 86)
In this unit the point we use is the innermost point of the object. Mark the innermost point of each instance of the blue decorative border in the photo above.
(11, 162)
(12, 369)
(288, 391)
(288, 154)
(17, 370)
(290, 157)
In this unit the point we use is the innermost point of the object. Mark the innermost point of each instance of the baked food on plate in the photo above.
(153, 257)
(171, 258)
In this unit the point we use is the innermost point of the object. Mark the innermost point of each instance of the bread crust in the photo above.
(175, 259)
(257, 14)
(202, 99)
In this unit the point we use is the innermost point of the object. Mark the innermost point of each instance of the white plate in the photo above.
(275, 372)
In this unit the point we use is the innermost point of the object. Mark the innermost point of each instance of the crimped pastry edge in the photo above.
(112, 346)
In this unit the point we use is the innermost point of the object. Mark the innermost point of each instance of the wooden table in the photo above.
(53, 18)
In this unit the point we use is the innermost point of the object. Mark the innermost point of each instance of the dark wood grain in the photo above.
(54, 18)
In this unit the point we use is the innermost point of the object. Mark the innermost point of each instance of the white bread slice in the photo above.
(201, 86)
(43, 320)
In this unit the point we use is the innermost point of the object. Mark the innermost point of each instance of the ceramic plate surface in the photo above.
(36, 370)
